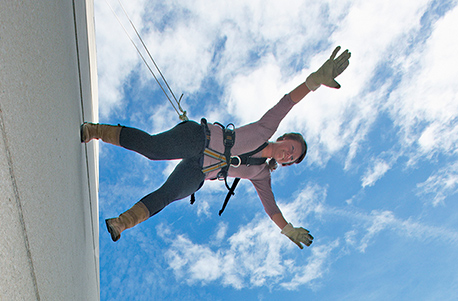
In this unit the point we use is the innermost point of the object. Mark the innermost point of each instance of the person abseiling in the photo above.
(194, 143)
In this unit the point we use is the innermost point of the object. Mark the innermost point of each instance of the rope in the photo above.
(182, 116)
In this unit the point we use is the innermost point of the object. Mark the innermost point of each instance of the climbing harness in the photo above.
(183, 115)
(227, 160)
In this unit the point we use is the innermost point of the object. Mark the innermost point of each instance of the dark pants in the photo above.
(185, 141)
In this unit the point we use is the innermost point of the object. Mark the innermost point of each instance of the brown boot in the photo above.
(135, 215)
(108, 133)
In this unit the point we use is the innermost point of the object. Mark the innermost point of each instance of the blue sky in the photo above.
(378, 188)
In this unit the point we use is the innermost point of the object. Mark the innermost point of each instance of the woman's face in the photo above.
(286, 151)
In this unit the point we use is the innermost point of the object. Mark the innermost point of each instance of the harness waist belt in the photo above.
(226, 159)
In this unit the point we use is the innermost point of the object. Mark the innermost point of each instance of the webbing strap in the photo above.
(229, 194)
(214, 167)
(245, 159)
(214, 154)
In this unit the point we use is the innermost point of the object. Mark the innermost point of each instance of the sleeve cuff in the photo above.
(286, 229)
(310, 83)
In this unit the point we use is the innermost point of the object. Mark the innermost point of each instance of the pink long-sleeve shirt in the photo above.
(249, 138)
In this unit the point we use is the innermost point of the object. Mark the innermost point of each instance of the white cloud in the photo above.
(338, 120)
(246, 259)
(379, 222)
(254, 93)
(195, 44)
(425, 105)
(203, 207)
(221, 231)
(170, 166)
(335, 120)
(440, 185)
(309, 200)
(116, 57)
(379, 168)
(317, 266)
(367, 226)
(256, 255)
(350, 237)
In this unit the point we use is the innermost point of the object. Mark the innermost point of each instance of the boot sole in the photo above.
(82, 133)
(115, 236)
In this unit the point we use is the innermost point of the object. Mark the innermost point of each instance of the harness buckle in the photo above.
(239, 161)
(221, 176)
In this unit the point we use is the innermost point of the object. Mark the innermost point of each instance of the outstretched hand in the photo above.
(298, 235)
(327, 73)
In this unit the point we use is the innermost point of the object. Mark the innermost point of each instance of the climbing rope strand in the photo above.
(147, 51)
(141, 55)
(183, 115)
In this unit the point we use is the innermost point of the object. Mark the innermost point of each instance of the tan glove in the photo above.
(329, 71)
(298, 235)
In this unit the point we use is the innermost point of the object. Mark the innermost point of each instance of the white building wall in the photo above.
(48, 179)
